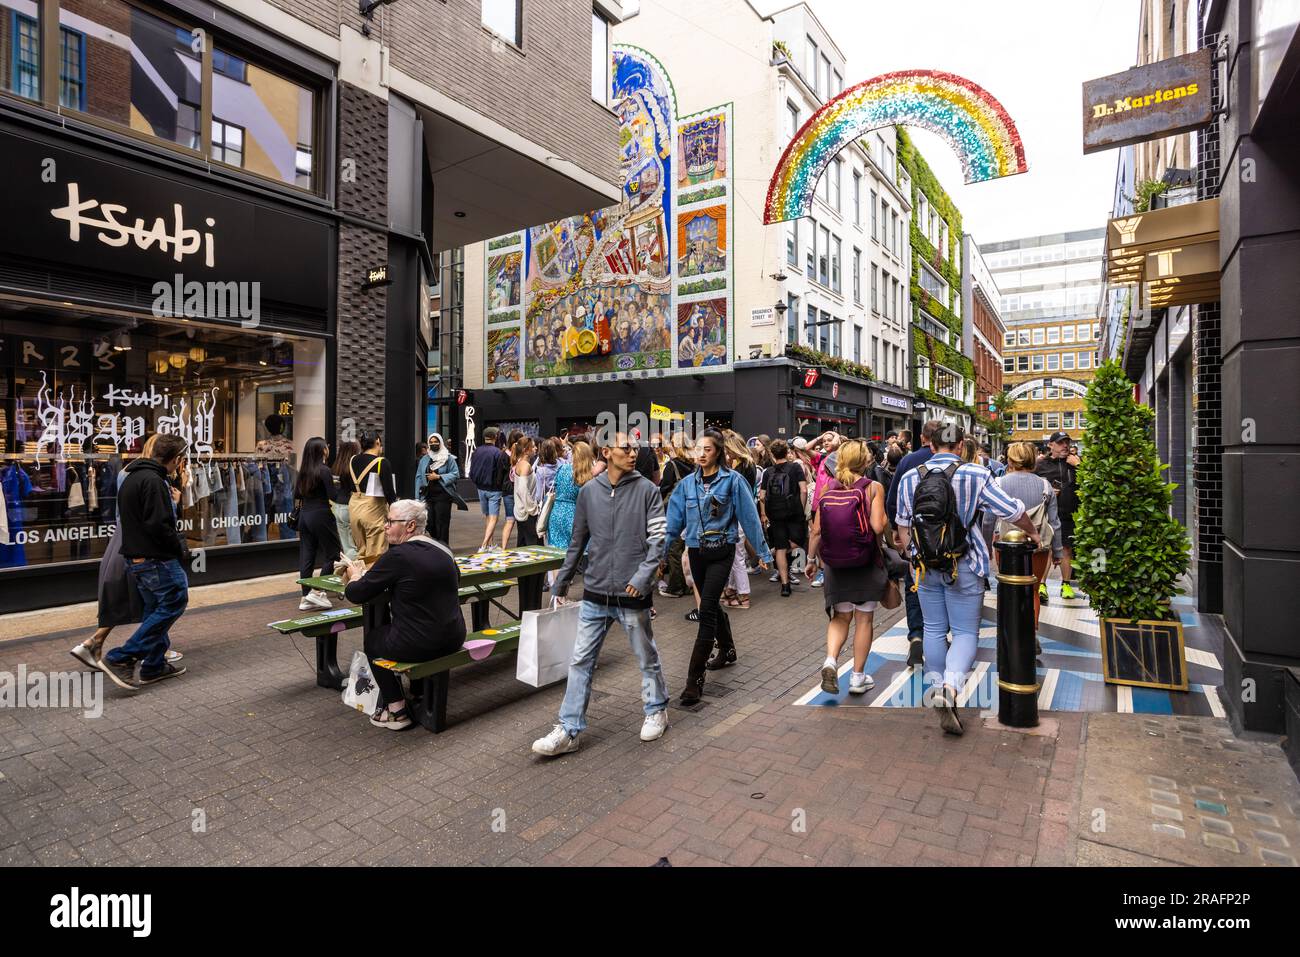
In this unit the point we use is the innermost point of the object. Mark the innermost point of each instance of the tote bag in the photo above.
(546, 644)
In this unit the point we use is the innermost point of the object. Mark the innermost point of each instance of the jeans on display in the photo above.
(281, 500)
(710, 578)
(165, 591)
(229, 499)
(318, 534)
(256, 514)
(594, 622)
(956, 606)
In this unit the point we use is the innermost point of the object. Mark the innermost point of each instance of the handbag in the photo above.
(296, 515)
(546, 641)
(544, 515)
(892, 597)
(713, 545)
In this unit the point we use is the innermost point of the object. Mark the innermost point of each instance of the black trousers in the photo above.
(530, 586)
(318, 534)
(439, 504)
(383, 641)
(711, 578)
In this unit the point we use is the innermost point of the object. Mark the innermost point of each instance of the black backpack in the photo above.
(939, 537)
(782, 492)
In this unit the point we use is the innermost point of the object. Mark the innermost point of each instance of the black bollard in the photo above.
(1017, 674)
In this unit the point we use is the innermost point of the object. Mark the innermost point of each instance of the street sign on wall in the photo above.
(1147, 102)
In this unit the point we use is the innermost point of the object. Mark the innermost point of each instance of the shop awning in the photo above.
(485, 185)
(1171, 255)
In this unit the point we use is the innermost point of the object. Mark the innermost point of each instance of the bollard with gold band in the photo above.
(1017, 673)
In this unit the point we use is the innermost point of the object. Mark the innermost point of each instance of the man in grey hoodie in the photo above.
(619, 523)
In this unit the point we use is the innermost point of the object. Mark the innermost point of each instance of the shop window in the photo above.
(227, 142)
(85, 392)
(505, 19)
(22, 65)
(276, 118)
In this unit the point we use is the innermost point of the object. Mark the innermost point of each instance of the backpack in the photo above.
(939, 537)
(847, 539)
(782, 492)
(1038, 515)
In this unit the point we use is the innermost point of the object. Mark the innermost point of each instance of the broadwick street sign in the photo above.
(1147, 102)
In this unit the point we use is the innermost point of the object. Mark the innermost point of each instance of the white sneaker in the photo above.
(556, 743)
(655, 726)
(776, 577)
(860, 684)
(85, 655)
(819, 580)
(306, 604)
(319, 599)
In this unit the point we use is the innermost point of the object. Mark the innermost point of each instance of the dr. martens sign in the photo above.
(1148, 102)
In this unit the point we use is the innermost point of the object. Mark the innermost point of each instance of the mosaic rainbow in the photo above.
(965, 115)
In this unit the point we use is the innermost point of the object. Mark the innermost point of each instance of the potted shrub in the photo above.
(1129, 551)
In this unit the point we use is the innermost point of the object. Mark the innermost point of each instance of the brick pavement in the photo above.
(281, 773)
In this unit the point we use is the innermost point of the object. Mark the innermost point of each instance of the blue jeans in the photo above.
(955, 605)
(165, 591)
(489, 502)
(915, 617)
(594, 622)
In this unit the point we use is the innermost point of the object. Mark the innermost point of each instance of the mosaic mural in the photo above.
(593, 297)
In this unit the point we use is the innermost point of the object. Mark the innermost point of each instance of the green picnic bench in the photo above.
(430, 680)
(325, 626)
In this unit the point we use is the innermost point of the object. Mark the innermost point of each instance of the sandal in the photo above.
(391, 720)
(736, 601)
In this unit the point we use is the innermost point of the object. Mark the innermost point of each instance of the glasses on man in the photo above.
(397, 521)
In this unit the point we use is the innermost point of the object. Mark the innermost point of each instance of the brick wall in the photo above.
(363, 148)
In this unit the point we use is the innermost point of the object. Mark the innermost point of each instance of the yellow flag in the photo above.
(660, 413)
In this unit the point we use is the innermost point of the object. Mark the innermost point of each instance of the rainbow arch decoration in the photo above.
(964, 114)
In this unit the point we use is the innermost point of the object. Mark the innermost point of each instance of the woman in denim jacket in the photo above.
(707, 505)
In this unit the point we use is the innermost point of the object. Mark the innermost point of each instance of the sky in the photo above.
(1033, 56)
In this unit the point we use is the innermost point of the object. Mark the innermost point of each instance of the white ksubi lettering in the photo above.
(113, 230)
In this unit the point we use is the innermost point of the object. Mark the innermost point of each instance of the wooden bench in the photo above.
(326, 625)
(430, 680)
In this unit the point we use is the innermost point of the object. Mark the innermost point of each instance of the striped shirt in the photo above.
(975, 489)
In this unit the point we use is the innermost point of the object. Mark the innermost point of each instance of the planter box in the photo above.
(1145, 654)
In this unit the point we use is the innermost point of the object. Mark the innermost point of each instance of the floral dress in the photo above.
(559, 525)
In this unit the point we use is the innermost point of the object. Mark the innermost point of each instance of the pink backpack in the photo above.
(847, 539)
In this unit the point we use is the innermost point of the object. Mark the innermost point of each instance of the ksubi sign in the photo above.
(1147, 102)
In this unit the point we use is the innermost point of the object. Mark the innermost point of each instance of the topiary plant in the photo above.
(1129, 551)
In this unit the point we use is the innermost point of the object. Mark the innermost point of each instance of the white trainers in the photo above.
(655, 726)
(314, 599)
(776, 577)
(556, 743)
(860, 684)
(86, 655)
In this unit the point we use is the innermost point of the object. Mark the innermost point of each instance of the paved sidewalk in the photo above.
(245, 760)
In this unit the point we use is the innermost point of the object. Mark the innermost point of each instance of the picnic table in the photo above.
(481, 571)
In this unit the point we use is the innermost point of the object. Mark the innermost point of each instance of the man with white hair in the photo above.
(420, 578)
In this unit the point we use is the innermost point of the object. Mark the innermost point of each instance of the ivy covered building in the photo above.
(943, 377)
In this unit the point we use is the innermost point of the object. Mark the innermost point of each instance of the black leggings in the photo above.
(711, 578)
(439, 504)
(383, 641)
(317, 533)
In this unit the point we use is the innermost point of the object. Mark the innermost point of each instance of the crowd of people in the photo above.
(870, 523)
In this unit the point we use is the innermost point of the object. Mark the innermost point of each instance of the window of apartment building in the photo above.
(1053, 393)
(227, 142)
(857, 275)
(898, 300)
(1008, 365)
(1067, 420)
(810, 69)
(837, 344)
(857, 198)
(837, 169)
(811, 255)
(1054, 335)
(932, 226)
(792, 116)
(792, 319)
(1085, 360)
(898, 235)
(1083, 421)
(932, 284)
(884, 294)
(505, 19)
(792, 243)
(1009, 339)
(1036, 363)
(1053, 362)
(599, 58)
(1067, 361)
(1067, 334)
(72, 69)
(874, 235)
(824, 187)
(1022, 421)
(898, 365)
(1096, 330)
(875, 287)
(875, 353)
(1022, 363)
(824, 333)
(811, 330)
(890, 167)
(1023, 337)
(1053, 421)
(857, 343)
(1083, 332)
(838, 88)
(835, 263)
(824, 81)
(880, 151)
(1036, 394)
(1038, 337)
(1037, 419)
(884, 223)
(823, 255)
(22, 74)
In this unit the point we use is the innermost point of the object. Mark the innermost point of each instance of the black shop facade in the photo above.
(780, 397)
(139, 294)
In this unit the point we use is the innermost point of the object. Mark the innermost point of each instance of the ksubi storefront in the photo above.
(137, 297)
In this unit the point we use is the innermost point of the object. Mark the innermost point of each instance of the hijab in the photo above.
(438, 459)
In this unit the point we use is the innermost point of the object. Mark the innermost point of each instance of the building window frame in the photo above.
(516, 37)
(857, 275)
(600, 71)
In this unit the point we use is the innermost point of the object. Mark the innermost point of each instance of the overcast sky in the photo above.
(1033, 56)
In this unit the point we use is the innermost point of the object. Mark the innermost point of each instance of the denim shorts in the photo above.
(489, 502)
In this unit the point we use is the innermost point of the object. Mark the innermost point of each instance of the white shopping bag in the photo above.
(361, 692)
(546, 644)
